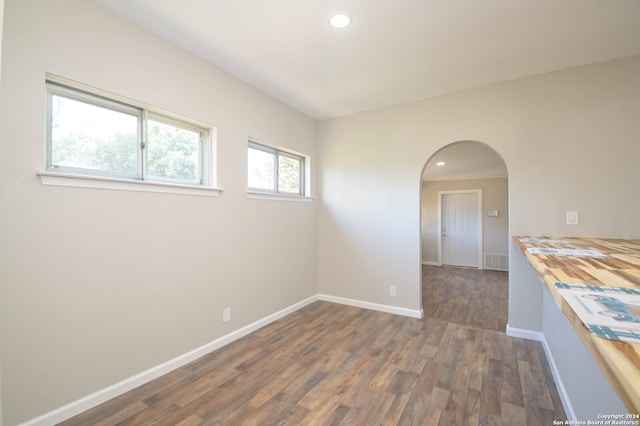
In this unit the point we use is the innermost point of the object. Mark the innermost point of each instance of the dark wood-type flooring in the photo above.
(466, 296)
(333, 364)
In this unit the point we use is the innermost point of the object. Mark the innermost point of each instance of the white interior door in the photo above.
(460, 225)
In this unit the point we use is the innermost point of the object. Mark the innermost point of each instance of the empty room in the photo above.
(245, 212)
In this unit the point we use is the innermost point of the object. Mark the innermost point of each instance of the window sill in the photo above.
(257, 195)
(66, 179)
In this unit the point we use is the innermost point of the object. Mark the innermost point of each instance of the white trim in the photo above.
(83, 404)
(425, 262)
(97, 398)
(95, 91)
(99, 182)
(524, 334)
(84, 92)
(478, 192)
(413, 313)
(257, 195)
(562, 391)
(305, 177)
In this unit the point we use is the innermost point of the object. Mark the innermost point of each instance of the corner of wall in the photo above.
(525, 293)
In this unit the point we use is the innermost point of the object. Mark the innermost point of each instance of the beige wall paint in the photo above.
(99, 285)
(495, 230)
(569, 140)
(1, 31)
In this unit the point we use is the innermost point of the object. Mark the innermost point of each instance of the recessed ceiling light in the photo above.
(440, 163)
(340, 21)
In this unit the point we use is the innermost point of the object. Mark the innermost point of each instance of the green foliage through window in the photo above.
(172, 152)
(89, 134)
(273, 170)
(81, 138)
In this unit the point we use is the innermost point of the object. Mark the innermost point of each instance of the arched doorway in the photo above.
(465, 233)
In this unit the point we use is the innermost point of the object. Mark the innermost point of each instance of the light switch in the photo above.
(572, 218)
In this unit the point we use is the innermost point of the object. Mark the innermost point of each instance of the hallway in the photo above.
(466, 296)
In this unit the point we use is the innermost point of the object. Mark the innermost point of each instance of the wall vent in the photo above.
(498, 262)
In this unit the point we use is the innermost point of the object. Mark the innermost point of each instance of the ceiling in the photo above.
(394, 51)
(464, 160)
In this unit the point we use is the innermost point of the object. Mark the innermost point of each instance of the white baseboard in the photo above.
(564, 395)
(413, 313)
(562, 391)
(104, 395)
(425, 262)
(525, 334)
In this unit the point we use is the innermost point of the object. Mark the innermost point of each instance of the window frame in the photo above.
(74, 176)
(55, 89)
(277, 153)
(203, 147)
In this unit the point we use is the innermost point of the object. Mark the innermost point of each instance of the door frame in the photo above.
(478, 192)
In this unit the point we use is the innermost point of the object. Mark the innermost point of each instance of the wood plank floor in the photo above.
(483, 294)
(333, 364)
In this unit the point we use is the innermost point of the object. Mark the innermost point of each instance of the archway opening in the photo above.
(465, 235)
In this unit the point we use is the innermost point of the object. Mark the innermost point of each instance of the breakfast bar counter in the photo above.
(565, 264)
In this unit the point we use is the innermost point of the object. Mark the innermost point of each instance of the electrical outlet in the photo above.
(393, 290)
(226, 314)
(572, 218)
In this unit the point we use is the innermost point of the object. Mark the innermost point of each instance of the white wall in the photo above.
(569, 140)
(495, 230)
(99, 285)
(587, 385)
(1, 31)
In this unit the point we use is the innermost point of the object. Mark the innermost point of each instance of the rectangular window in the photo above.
(273, 170)
(94, 135)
